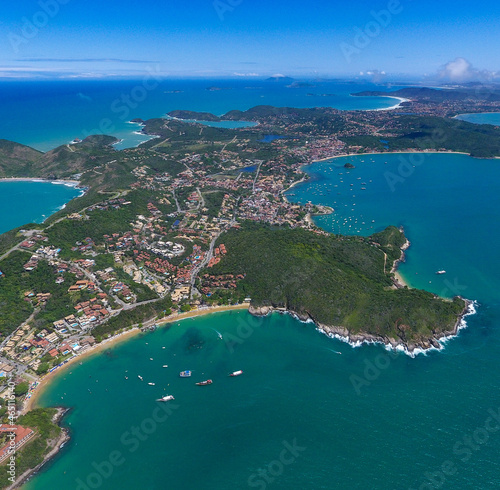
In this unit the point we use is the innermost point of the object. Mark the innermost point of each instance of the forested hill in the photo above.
(337, 281)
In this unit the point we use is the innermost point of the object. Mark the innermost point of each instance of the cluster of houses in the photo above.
(123, 241)
(36, 299)
(20, 436)
(108, 276)
(27, 347)
(85, 246)
(88, 314)
(226, 281)
(32, 241)
(109, 204)
(218, 252)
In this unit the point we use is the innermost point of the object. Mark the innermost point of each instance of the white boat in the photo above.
(165, 398)
(140, 377)
(165, 365)
(151, 384)
(441, 272)
(236, 373)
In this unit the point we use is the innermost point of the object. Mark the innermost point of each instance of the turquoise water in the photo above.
(482, 118)
(362, 419)
(76, 109)
(31, 202)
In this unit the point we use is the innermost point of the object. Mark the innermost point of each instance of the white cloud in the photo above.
(246, 74)
(461, 70)
(376, 75)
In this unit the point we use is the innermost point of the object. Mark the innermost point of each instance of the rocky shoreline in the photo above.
(355, 340)
(64, 437)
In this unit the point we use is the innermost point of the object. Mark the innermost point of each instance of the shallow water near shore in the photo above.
(354, 417)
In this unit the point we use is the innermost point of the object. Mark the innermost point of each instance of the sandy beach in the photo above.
(386, 153)
(112, 341)
(73, 183)
(395, 106)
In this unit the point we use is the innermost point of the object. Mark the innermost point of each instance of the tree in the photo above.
(21, 388)
(42, 368)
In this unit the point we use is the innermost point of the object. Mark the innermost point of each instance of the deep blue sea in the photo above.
(46, 114)
(31, 202)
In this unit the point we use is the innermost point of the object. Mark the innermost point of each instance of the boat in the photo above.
(165, 365)
(236, 373)
(151, 384)
(441, 272)
(140, 377)
(204, 383)
(165, 398)
(185, 374)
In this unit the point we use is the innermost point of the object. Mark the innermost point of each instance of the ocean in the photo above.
(311, 412)
(46, 114)
(31, 202)
(482, 118)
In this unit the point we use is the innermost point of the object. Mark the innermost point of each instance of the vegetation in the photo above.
(128, 318)
(33, 452)
(337, 281)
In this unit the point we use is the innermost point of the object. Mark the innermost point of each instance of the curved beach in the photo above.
(116, 339)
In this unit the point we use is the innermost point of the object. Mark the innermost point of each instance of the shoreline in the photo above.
(399, 280)
(64, 437)
(390, 344)
(70, 183)
(388, 153)
(358, 339)
(396, 106)
(45, 381)
(412, 350)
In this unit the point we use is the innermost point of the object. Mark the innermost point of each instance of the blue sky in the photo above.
(249, 38)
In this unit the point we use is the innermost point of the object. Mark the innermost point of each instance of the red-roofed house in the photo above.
(22, 435)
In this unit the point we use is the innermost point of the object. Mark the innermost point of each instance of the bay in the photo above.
(25, 202)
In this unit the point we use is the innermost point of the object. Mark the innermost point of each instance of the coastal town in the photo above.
(171, 214)
(144, 246)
